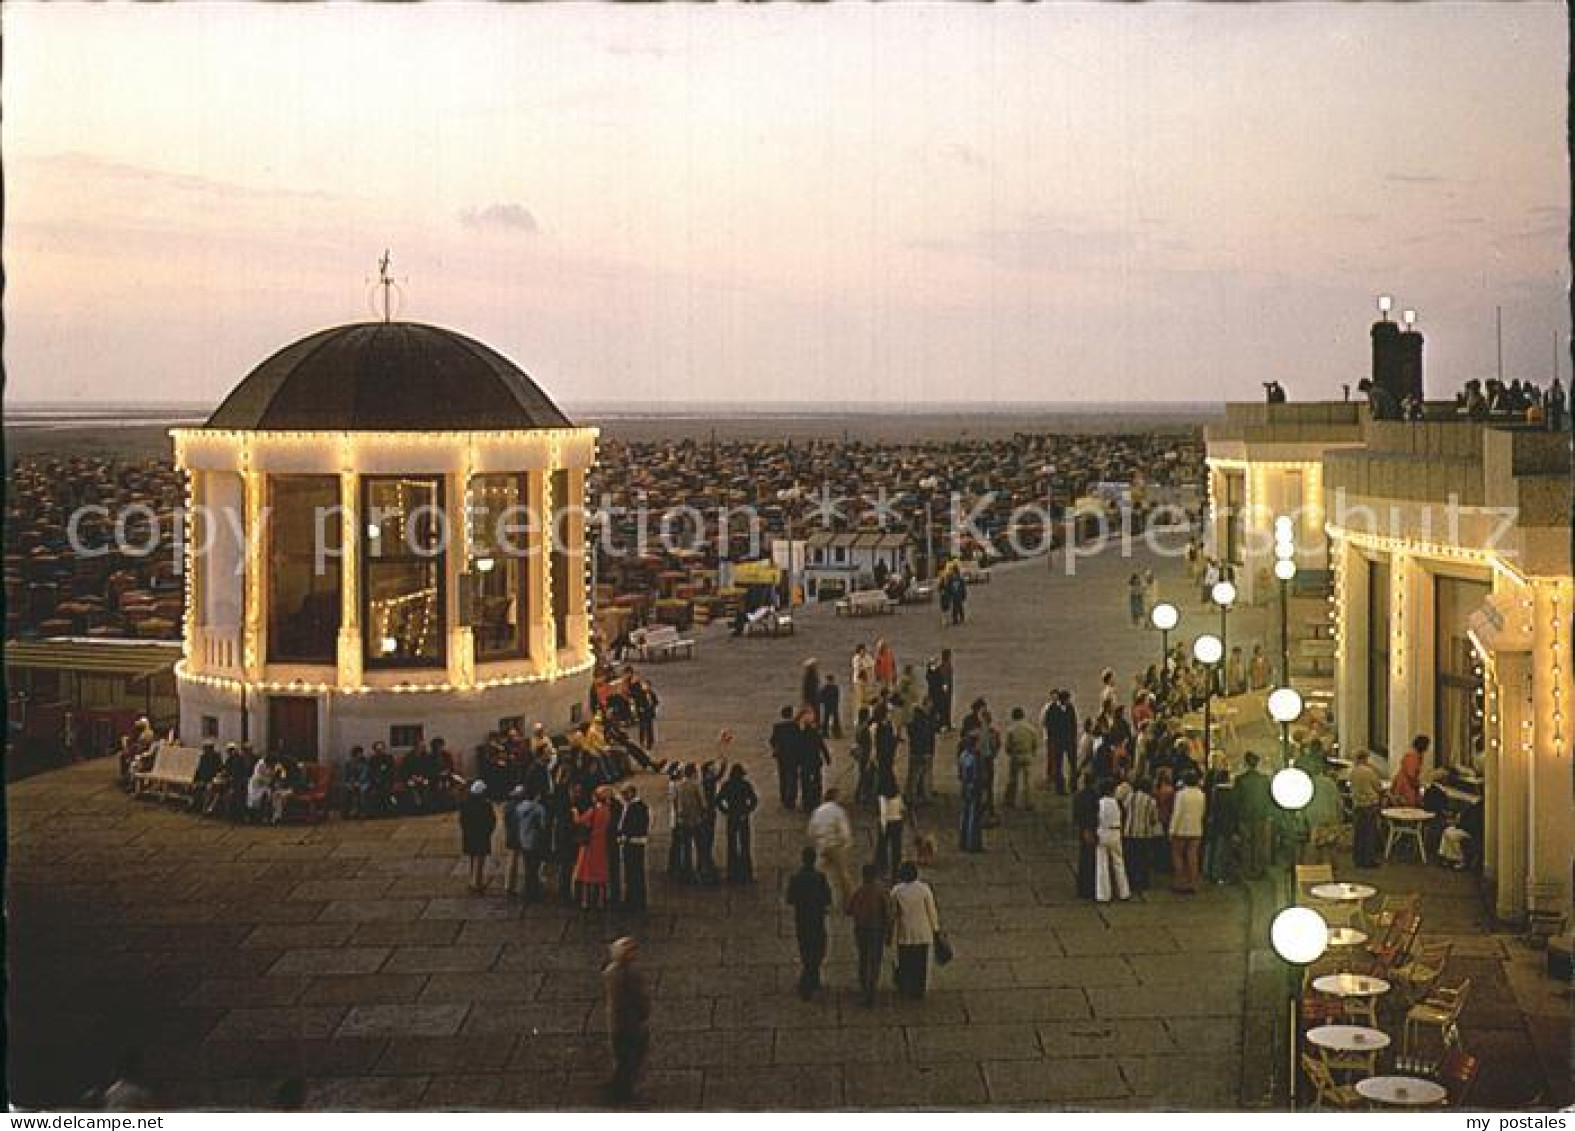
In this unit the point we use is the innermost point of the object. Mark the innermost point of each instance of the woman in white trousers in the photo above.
(1109, 862)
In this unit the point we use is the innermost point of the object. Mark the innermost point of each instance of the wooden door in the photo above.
(292, 726)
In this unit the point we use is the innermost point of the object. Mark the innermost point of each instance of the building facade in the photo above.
(385, 542)
(1451, 600)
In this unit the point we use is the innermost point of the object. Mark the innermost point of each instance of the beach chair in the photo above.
(1327, 1093)
(1441, 1012)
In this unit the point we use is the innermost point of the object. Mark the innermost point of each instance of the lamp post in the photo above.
(1164, 617)
(1285, 570)
(1299, 935)
(1285, 707)
(1224, 595)
(1208, 650)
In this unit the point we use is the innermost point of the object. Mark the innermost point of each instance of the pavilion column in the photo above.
(1352, 631)
(253, 615)
(538, 587)
(1509, 793)
(577, 620)
(1403, 658)
(1551, 832)
(461, 648)
(351, 649)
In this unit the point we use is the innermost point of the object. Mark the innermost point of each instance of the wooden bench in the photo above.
(768, 622)
(918, 594)
(662, 642)
(864, 603)
(174, 770)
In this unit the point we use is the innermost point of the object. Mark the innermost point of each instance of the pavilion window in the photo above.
(303, 568)
(1459, 698)
(402, 565)
(501, 543)
(1378, 657)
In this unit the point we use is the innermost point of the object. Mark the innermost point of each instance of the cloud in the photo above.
(506, 218)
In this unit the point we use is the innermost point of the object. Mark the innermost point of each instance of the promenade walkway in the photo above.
(351, 953)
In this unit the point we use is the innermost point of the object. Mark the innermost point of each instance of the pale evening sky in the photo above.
(816, 204)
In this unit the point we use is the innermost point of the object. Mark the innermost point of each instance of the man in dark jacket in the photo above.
(871, 911)
(736, 800)
(785, 752)
(813, 758)
(1060, 725)
(830, 708)
(1085, 821)
(809, 895)
(634, 828)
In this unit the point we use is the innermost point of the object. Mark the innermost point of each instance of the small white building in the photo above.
(368, 555)
(843, 561)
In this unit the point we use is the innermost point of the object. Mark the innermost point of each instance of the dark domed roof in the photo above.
(387, 377)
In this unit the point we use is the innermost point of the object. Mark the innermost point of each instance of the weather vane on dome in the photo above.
(391, 289)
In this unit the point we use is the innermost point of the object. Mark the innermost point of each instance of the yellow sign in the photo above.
(756, 573)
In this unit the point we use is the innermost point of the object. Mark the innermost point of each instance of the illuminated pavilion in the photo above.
(368, 556)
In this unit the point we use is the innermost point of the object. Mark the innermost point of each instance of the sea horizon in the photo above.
(43, 413)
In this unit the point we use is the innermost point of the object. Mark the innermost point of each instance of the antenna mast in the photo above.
(386, 281)
(1499, 316)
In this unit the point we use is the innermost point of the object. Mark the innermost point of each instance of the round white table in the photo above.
(1343, 892)
(1350, 985)
(1405, 823)
(1401, 1091)
(1346, 936)
(1360, 992)
(1348, 1038)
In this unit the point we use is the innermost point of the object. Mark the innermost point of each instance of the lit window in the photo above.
(402, 559)
(303, 575)
(500, 545)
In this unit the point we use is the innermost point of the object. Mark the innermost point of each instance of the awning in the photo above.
(133, 659)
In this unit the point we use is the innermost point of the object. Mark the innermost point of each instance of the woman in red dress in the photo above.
(1407, 786)
(590, 870)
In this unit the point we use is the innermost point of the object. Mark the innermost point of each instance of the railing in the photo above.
(217, 650)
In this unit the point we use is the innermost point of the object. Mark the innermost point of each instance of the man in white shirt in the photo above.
(1109, 861)
(831, 832)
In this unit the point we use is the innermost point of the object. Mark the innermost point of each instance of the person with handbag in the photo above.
(916, 927)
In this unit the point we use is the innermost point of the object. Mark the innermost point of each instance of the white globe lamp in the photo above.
(1292, 789)
(1285, 705)
(1223, 594)
(1208, 649)
(1164, 616)
(1285, 569)
(1299, 935)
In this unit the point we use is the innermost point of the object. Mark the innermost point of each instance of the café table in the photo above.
(1346, 936)
(1405, 823)
(1401, 1091)
(1341, 903)
(1349, 1047)
(1360, 992)
(1343, 942)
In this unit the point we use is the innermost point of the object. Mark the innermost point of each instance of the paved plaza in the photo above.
(351, 953)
